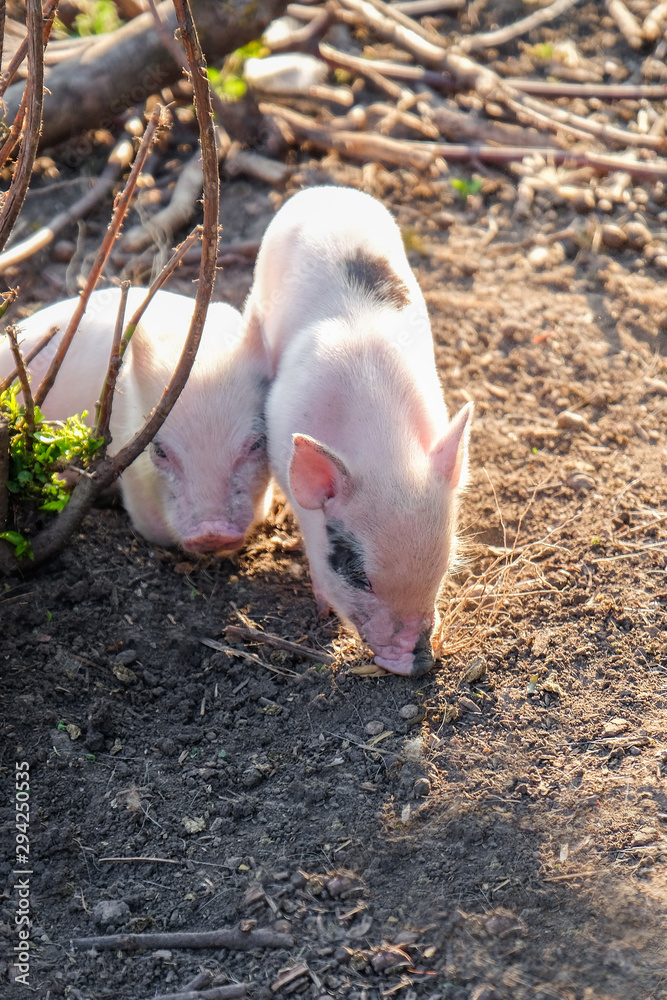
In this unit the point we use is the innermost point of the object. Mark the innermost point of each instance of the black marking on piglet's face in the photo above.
(374, 276)
(346, 556)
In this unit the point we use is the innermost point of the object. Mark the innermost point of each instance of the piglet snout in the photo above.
(213, 536)
(413, 659)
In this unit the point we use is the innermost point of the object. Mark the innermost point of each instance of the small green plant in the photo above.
(37, 457)
(228, 82)
(22, 547)
(465, 187)
(543, 51)
(227, 86)
(595, 541)
(99, 18)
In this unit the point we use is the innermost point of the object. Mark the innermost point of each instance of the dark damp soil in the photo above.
(495, 830)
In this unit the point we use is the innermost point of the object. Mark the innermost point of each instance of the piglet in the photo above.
(359, 435)
(203, 481)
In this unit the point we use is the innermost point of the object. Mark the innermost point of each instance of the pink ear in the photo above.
(253, 342)
(450, 455)
(143, 355)
(315, 474)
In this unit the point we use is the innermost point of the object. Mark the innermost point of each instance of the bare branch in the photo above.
(28, 402)
(49, 13)
(46, 339)
(120, 210)
(4, 471)
(33, 120)
(168, 269)
(115, 359)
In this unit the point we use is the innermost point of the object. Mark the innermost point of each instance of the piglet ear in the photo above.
(316, 474)
(254, 344)
(141, 347)
(450, 455)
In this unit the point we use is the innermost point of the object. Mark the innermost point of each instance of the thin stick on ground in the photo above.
(230, 992)
(33, 121)
(269, 639)
(119, 159)
(46, 339)
(489, 39)
(232, 938)
(115, 359)
(367, 147)
(244, 655)
(120, 211)
(28, 402)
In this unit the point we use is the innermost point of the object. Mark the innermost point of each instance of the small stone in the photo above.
(580, 481)
(605, 205)
(124, 674)
(567, 420)
(613, 236)
(656, 385)
(409, 712)
(252, 776)
(476, 670)
(538, 256)
(110, 911)
(638, 235)
(444, 219)
(373, 728)
(422, 788)
(644, 836)
(126, 657)
(615, 727)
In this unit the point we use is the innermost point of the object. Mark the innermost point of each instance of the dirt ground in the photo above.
(495, 830)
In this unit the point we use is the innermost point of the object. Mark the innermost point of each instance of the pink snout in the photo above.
(213, 536)
(408, 655)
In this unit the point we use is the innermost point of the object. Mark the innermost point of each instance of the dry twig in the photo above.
(232, 938)
(46, 339)
(269, 639)
(33, 120)
(119, 160)
(115, 358)
(488, 39)
(627, 23)
(28, 402)
(231, 992)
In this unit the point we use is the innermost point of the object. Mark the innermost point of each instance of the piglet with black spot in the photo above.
(359, 435)
(203, 482)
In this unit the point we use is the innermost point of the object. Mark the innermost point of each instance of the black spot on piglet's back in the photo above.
(374, 276)
(346, 556)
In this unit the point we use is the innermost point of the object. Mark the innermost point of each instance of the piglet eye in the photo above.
(259, 443)
(158, 451)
